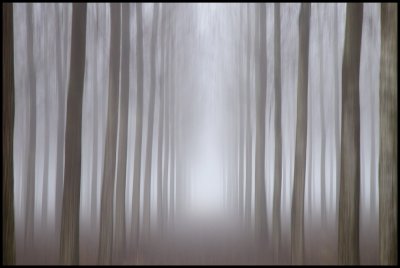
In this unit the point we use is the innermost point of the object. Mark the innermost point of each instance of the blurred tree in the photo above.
(69, 248)
(276, 217)
(261, 223)
(388, 136)
(120, 218)
(110, 153)
(149, 140)
(350, 148)
(8, 135)
(30, 187)
(139, 124)
(247, 209)
(297, 228)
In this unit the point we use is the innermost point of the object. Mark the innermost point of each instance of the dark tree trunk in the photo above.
(30, 188)
(120, 233)
(241, 117)
(107, 189)
(69, 249)
(276, 217)
(160, 183)
(8, 135)
(388, 137)
(301, 138)
(149, 145)
(350, 149)
(167, 129)
(139, 124)
(60, 127)
(261, 223)
(247, 209)
(337, 107)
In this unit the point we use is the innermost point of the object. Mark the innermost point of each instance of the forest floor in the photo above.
(213, 243)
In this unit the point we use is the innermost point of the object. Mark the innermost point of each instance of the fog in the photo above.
(199, 108)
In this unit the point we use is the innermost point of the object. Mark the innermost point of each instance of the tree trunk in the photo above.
(350, 148)
(107, 189)
(276, 226)
(323, 131)
(172, 126)
(248, 127)
(69, 249)
(120, 233)
(337, 107)
(139, 123)
(8, 135)
(160, 183)
(261, 223)
(30, 188)
(96, 131)
(149, 147)
(167, 129)
(60, 127)
(301, 138)
(388, 137)
(241, 118)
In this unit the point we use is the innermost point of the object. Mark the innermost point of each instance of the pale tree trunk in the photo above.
(323, 131)
(149, 145)
(160, 183)
(247, 209)
(350, 149)
(30, 188)
(261, 224)
(139, 124)
(276, 217)
(107, 189)
(8, 135)
(69, 249)
(297, 256)
(388, 137)
(120, 233)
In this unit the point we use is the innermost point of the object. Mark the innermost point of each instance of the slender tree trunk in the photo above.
(107, 189)
(260, 198)
(323, 131)
(388, 137)
(373, 160)
(248, 126)
(149, 145)
(241, 117)
(8, 136)
(139, 124)
(30, 188)
(96, 119)
(60, 127)
(301, 138)
(350, 148)
(160, 183)
(276, 226)
(167, 128)
(172, 126)
(120, 233)
(337, 108)
(69, 249)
